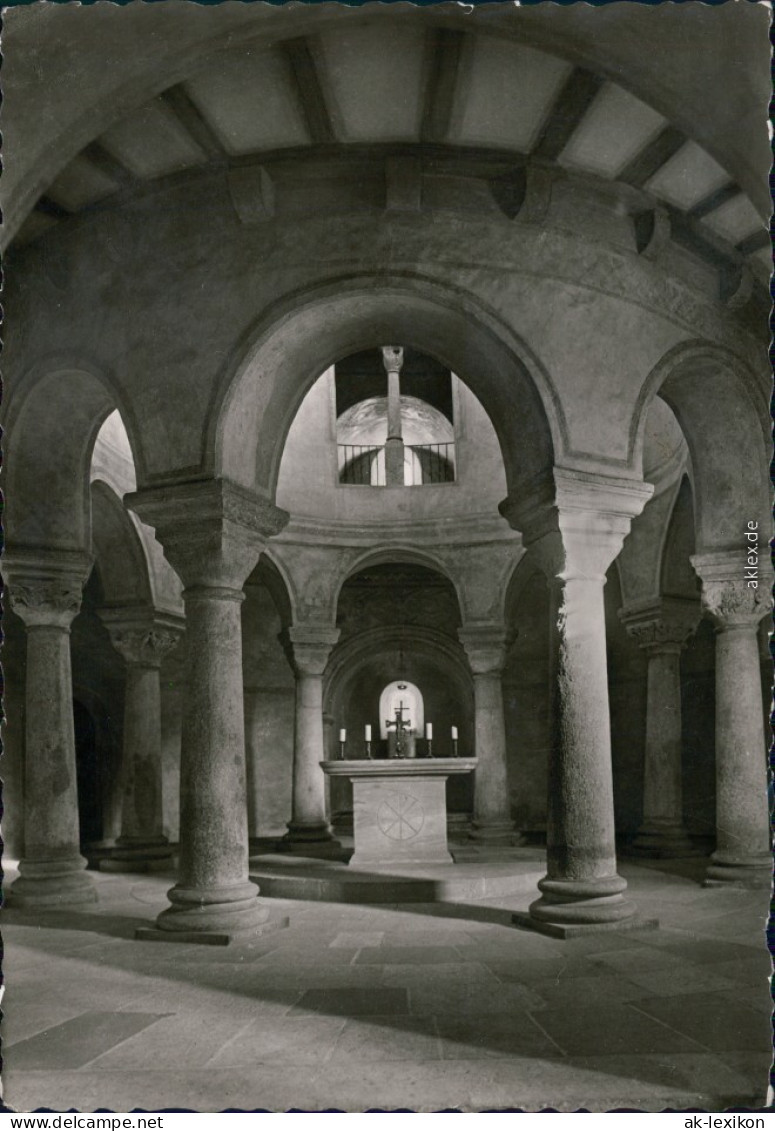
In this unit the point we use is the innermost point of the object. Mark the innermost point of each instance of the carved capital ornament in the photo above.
(46, 601)
(732, 604)
(728, 596)
(45, 586)
(661, 625)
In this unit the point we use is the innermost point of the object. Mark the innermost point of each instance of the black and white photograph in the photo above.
(387, 574)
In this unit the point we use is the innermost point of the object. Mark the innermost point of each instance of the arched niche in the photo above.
(264, 384)
(362, 666)
(400, 694)
(718, 404)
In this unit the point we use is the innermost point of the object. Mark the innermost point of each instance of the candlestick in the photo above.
(454, 748)
(368, 750)
(342, 741)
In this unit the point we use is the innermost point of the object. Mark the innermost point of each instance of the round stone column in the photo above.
(581, 886)
(143, 642)
(743, 853)
(309, 824)
(393, 359)
(47, 596)
(661, 629)
(492, 823)
(212, 533)
(574, 526)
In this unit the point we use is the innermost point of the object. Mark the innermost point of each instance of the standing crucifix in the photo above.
(402, 728)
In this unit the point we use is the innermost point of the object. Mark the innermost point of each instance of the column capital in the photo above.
(312, 646)
(212, 531)
(393, 358)
(661, 624)
(575, 522)
(143, 637)
(728, 595)
(46, 585)
(485, 647)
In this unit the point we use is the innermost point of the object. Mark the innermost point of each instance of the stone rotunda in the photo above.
(356, 347)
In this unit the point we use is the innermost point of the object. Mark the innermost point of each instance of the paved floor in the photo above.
(422, 1006)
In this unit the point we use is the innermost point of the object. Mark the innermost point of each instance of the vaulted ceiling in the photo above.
(103, 103)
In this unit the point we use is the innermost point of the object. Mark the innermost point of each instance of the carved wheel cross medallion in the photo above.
(400, 816)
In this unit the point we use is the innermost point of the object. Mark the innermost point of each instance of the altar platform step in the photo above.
(476, 874)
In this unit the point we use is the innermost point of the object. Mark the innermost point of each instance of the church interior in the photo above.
(386, 634)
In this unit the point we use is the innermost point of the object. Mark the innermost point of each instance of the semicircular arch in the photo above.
(53, 415)
(395, 554)
(283, 354)
(714, 398)
(347, 657)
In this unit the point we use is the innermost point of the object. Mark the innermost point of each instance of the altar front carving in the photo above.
(399, 809)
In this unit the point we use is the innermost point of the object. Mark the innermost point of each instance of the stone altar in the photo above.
(399, 809)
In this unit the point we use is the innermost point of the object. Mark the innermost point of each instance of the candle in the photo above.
(342, 735)
(429, 730)
(454, 734)
(368, 733)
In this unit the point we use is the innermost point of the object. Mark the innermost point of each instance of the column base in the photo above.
(727, 870)
(342, 823)
(594, 904)
(274, 922)
(223, 913)
(130, 855)
(574, 930)
(51, 885)
(301, 838)
(495, 832)
(662, 841)
(458, 827)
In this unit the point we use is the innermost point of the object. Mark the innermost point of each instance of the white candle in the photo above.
(368, 733)
(454, 734)
(342, 735)
(429, 730)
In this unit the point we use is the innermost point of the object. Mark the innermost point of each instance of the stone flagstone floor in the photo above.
(422, 1006)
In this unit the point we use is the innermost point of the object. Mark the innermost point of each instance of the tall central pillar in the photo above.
(661, 629)
(143, 639)
(212, 533)
(308, 825)
(485, 647)
(45, 592)
(393, 359)
(574, 530)
(743, 853)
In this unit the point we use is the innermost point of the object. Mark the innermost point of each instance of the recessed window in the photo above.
(394, 419)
